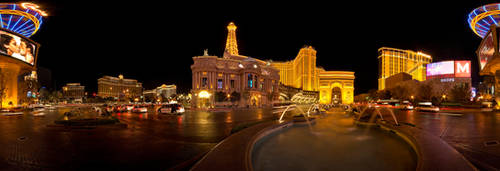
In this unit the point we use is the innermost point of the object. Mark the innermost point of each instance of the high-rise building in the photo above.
(118, 87)
(302, 72)
(73, 91)
(393, 61)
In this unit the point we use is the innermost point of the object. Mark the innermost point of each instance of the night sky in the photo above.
(155, 42)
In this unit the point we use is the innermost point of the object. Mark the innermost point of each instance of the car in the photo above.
(406, 105)
(140, 109)
(426, 107)
(171, 108)
(129, 107)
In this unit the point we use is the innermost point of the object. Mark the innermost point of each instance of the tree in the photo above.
(372, 94)
(3, 87)
(384, 94)
(460, 93)
(425, 92)
(44, 94)
(400, 92)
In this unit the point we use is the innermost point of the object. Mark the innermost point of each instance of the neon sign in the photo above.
(33, 7)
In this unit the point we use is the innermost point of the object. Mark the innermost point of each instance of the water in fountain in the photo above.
(301, 111)
(376, 111)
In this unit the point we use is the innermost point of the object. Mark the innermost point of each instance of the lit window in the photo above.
(250, 81)
(204, 81)
(219, 83)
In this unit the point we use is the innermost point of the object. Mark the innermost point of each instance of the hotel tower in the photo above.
(392, 61)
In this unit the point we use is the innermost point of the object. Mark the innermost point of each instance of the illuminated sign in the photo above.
(449, 69)
(33, 7)
(462, 68)
(440, 68)
(486, 51)
(17, 47)
(445, 80)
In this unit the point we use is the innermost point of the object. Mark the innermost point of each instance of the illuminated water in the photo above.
(335, 143)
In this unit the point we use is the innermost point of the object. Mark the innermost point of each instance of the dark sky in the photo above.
(154, 42)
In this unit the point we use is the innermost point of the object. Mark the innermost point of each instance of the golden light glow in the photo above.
(33, 7)
(231, 44)
(204, 94)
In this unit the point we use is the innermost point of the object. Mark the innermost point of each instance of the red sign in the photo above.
(462, 68)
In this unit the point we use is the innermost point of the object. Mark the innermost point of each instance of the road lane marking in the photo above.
(451, 114)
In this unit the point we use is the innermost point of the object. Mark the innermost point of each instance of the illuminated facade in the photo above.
(302, 72)
(392, 61)
(254, 80)
(118, 87)
(18, 54)
(161, 91)
(73, 91)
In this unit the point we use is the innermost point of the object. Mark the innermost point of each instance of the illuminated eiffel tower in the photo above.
(231, 45)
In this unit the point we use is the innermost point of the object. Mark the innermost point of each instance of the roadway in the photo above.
(474, 133)
(151, 142)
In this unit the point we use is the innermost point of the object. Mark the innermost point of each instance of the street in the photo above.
(151, 141)
(472, 132)
(160, 141)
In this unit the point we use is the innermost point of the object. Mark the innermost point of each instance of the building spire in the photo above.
(231, 45)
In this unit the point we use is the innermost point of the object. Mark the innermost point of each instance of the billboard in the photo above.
(449, 69)
(486, 50)
(17, 47)
(440, 68)
(462, 68)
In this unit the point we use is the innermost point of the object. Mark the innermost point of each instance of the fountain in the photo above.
(305, 114)
(333, 135)
(377, 110)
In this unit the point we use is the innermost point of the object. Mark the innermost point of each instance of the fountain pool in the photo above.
(333, 143)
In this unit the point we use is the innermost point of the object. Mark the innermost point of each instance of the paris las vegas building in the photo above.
(254, 80)
(259, 82)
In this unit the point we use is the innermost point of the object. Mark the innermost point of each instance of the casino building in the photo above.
(254, 80)
(393, 61)
(73, 91)
(259, 82)
(118, 87)
(445, 75)
(302, 72)
(18, 54)
(484, 22)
